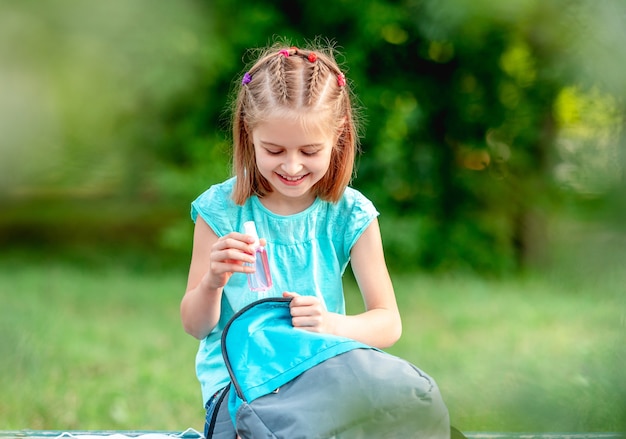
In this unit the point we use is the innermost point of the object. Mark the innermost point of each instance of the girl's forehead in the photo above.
(307, 119)
(287, 131)
(309, 125)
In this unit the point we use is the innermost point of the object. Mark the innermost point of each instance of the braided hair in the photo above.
(290, 82)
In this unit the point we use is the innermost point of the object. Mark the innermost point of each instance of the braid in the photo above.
(312, 91)
(292, 72)
(279, 75)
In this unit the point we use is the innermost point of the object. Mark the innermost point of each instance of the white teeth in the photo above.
(291, 178)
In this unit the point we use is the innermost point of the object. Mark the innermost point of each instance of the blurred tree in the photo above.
(480, 116)
(460, 99)
(84, 89)
(460, 96)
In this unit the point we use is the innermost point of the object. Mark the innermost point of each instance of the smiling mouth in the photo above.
(292, 179)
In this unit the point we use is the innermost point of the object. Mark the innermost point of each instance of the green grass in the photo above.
(518, 355)
(86, 348)
(97, 344)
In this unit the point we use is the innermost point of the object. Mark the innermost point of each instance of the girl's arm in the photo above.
(213, 261)
(380, 325)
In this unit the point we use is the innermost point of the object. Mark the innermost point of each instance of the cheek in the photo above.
(326, 160)
(263, 161)
(262, 167)
(319, 164)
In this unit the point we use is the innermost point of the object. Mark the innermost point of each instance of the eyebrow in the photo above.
(311, 145)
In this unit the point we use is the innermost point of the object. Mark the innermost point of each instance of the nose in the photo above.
(291, 165)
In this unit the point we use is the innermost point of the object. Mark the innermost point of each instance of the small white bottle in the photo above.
(261, 279)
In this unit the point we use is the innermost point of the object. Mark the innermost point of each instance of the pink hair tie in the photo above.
(284, 52)
(341, 80)
(246, 78)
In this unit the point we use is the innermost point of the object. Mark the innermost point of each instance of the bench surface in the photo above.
(193, 434)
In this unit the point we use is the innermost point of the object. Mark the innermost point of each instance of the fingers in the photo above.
(231, 251)
(235, 241)
(307, 312)
(287, 294)
(305, 302)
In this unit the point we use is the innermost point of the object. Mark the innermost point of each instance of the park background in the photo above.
(493, 146)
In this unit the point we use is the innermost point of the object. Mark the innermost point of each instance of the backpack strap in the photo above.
(221, 425)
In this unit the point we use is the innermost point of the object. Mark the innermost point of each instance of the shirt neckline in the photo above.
(257, 202)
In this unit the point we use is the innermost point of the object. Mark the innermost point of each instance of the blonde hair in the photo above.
(292, 82)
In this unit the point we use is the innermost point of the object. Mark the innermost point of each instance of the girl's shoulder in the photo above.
(351, 214)
(348, 218)
(220, 190)
(216, 206)
(354, 201)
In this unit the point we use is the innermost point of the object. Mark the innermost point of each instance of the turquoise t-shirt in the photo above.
(308, 253)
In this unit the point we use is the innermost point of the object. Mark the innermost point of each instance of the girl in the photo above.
(295, 142)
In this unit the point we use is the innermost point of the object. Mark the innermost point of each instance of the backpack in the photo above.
(290, 383)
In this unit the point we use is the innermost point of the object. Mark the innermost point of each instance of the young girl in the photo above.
(295, 142)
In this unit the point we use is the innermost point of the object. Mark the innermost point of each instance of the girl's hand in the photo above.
(308, 313)
(228, 255)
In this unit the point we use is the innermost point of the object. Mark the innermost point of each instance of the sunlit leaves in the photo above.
(589, 140)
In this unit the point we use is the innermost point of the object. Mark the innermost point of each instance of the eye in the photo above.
(273, 151)
(309, 153)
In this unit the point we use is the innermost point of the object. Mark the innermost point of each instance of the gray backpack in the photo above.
(289, 383)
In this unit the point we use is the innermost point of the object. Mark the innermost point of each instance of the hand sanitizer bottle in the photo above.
(261, 279)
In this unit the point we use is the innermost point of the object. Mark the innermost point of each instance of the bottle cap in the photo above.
(250, 229)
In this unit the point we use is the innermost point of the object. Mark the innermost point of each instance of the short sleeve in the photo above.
(216, 207)
(359, 214)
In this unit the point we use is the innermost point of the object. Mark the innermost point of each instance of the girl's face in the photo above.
(292, 157)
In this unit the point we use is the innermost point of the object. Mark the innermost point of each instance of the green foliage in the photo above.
(83, 101)
(480, 118)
